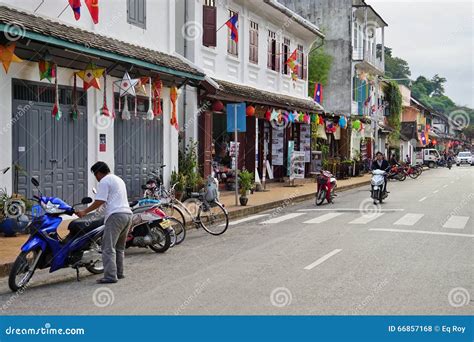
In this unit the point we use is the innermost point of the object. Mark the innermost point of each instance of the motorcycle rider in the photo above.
(381, 164)
(112, 196)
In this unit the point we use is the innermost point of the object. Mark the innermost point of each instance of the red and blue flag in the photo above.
(76, 7)
(318, 93)
(232, 25)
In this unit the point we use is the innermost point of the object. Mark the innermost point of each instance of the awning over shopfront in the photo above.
(71, 46)
(229, 91)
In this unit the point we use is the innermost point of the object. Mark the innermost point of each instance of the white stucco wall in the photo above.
(160, 22)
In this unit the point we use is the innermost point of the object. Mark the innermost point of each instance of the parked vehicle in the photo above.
(377, 191)
(45, 248)
(151, 228)
(464, 158)
(326, 184)
(449, 163)
(428, 156)
(397, 172)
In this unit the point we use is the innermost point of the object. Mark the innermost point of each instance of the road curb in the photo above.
(289, 201)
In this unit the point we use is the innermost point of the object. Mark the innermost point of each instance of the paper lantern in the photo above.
(217, 106)
(321, 120)
(307, 119)
(356, 125)
(268, 115)
(435, 142)
(250, 111)
(342, 122)
(274, 115)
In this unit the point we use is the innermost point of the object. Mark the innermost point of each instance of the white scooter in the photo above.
(378, 193)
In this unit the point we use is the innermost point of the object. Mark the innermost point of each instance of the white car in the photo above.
(464, 158)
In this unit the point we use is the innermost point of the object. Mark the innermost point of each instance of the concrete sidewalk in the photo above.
(277, 195)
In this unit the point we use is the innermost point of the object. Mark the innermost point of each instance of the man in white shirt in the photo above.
(112, 198)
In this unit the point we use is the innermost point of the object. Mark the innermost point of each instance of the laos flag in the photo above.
(232, 25)
(318, 93)
(76, 7)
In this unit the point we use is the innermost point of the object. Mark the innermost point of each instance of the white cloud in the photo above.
(434, 37)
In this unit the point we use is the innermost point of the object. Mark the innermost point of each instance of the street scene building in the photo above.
(326, 178)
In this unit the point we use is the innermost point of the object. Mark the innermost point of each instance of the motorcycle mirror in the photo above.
(86, 200)
(35, 182)
(94, 190)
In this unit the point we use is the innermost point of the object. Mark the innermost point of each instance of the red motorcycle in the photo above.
(326, 187)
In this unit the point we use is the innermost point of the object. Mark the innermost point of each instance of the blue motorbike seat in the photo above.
(85, 224)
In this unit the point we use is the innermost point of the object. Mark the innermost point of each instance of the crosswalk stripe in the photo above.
(456, 222)
(409, 220)
(281, 218)
(323, 218)
(366, 218)
(322, 259)
(250, 218)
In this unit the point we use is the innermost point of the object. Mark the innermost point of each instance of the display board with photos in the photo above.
(278, 139)
(305, 141)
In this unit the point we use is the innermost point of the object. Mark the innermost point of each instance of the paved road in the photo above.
(414, 256)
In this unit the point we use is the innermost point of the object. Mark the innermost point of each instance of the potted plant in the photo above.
(246, 180)
(179, 179)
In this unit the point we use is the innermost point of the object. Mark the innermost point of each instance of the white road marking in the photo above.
(282, 218)
(323, 218)
(456, 222)
(409, 220)
(421, 232)
(349, 209)
(422, 199)
(322, 259)
(250, 218)
(452, 182)
(445, 185)
(366, 218)
(435, 191)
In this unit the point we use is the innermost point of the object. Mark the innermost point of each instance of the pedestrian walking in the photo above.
(112, 198)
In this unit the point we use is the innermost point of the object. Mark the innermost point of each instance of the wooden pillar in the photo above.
(205, 143)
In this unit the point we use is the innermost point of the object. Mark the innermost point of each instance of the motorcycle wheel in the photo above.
(320, 197)
(161, 237)
(23, 267)
(98, 266)
(402, 177)
(380, 196)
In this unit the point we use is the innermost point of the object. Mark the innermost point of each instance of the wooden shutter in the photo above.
(270, 58)
(304, 60)
(141, 10)
(277, 56)
(209, 23)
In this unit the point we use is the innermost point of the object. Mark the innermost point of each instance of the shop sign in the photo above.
(238, 109)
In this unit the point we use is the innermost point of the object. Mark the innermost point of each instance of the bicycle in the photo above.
(207, 214)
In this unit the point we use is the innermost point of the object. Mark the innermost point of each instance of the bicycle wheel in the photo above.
(210, 217)
(172, 210)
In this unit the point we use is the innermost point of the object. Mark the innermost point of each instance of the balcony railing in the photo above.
(368, 57)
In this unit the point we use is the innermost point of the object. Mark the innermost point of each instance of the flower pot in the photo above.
(243, 200)
(10, 227)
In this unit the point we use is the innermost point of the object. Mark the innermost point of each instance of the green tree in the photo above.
(396, 68)
(319, 66)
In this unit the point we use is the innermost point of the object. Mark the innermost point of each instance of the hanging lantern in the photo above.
(320, 120)
(268, 115)
(217, 106)
(342, 121)
(250, 111)
(435, 142)
(274, 115)
(356, 125)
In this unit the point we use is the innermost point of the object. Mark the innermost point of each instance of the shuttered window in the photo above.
(209, 23)
(253, 53)
(273, 52)
(286, 54)
(136, 13)
(302, 63)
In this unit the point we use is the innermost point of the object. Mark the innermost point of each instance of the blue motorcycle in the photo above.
(45, 248)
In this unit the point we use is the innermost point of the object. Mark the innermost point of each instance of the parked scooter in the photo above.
(151, 227)
(326, 184)
(45, 248)
(378, 191)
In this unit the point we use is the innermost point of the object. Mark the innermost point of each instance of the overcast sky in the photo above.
(433, 36)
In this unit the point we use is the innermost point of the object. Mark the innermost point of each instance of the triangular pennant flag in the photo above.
(76, 8)
(93, 7)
